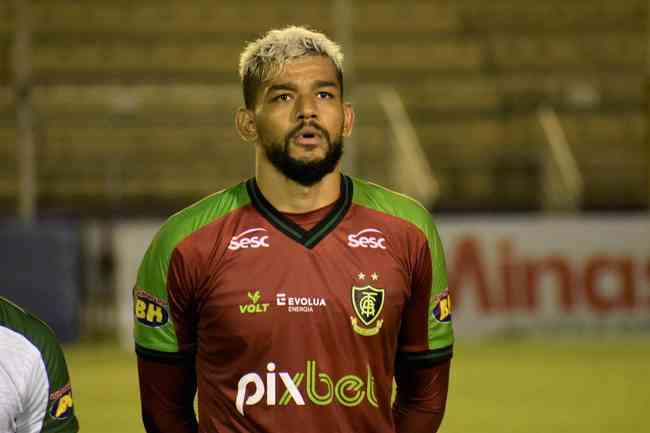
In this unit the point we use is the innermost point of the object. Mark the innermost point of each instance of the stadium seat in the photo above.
(612, 152)
(8, 153)
(580, 90)
(172, 17)
(416, 18)
(148, 89)
(568, 52)
(449, 55)
(140, 104)
(551, 16)
(447, 96)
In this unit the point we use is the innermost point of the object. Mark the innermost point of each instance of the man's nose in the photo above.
(306, 108)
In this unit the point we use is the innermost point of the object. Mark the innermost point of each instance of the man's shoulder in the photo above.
(201, 213)
(387, 201)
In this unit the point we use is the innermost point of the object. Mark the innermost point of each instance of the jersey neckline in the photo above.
(308, 238)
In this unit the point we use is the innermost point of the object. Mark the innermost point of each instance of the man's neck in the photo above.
(288, 196)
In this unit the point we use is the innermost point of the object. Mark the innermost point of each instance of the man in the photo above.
(35, 393)
(291, 300)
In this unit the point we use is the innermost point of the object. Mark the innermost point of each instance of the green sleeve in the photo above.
(154, 330)
(60, 416)
(440, 333)
(153, 327)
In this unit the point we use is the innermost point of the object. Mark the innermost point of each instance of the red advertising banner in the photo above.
(510, 274)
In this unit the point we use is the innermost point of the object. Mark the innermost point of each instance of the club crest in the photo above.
(368, 303)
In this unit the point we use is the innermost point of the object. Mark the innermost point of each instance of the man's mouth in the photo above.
(308, 137)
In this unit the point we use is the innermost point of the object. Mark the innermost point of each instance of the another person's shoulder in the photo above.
(203, 212)
(24, 325)
(387, 201)
(29, 346)
(34, 359)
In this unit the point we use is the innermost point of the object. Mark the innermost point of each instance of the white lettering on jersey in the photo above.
(299, 304)
(259, 389)
(366, 238)
(244, 240)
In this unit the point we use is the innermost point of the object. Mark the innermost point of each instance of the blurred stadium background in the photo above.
(522, 125)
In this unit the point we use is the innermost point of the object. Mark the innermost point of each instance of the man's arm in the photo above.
(167, 391)
(425, 342)
(165, 336)
(421, 397)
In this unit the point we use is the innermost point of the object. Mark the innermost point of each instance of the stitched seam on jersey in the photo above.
(156, 354)
(424, 360)
(433, 354)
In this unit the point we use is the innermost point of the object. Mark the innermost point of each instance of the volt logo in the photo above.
(367, 238)
(320, 388)
(248, 240)
(255, 306)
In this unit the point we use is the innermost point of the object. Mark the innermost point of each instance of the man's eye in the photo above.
(282, 97)
(325, 95)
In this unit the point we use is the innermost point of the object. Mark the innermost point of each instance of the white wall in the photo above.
(130, 243)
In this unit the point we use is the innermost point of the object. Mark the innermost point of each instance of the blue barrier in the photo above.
(39, 270)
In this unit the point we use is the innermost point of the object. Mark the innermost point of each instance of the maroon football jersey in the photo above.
(296, 329)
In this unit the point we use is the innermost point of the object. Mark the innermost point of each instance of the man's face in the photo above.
(301, 119)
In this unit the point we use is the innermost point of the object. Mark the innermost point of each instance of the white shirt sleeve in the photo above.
(10, 404)
(24, 385)
(35, 400)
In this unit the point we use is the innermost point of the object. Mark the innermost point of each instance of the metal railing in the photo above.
(563, 185)
(410, 171)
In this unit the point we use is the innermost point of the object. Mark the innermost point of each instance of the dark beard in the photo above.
(306, 173)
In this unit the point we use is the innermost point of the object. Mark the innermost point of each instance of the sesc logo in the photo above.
(244, 240)
(367, 238)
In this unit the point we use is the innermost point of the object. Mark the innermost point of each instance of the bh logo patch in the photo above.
(442, 309)
(149, 310)
(368, 302)
(62, 405)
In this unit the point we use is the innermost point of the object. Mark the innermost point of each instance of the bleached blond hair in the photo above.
(263, 59)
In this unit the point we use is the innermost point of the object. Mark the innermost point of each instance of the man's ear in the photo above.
(348, 119)
(245, 122)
